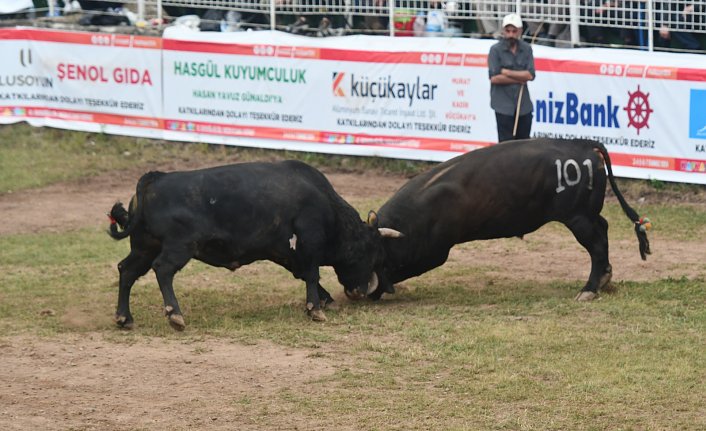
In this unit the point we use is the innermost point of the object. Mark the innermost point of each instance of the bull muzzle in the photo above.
(358, 293)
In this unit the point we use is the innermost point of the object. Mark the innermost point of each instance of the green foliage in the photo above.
(481, 353)
(657, 184)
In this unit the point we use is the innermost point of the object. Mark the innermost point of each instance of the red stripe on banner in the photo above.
(322, 137)
(686, 74)
(216, 48)
(617, 70)
(440, 58)
(566, 66)
(690, 165)
(431, 58)
(428, 58)
(641, 161)
(661, 72)
(90, 117)
(81, 38)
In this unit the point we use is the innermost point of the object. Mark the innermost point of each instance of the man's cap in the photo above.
(512, 19)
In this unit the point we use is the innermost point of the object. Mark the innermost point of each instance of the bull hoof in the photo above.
(176, 321)
(585, 296)
(317, 315)
(123, 322)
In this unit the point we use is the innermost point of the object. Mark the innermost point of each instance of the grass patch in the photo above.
(34, 157)
(479, 355)
(456, 349)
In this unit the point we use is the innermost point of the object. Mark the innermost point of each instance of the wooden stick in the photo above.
(517, 112)
(519, 96)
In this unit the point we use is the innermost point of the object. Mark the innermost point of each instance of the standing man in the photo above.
(510, 66)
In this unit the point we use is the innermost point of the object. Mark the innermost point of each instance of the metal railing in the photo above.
(650, 25)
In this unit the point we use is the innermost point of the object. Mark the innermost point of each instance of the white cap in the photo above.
(512, 19)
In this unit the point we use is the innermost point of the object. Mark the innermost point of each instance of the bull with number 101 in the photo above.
(507, 190)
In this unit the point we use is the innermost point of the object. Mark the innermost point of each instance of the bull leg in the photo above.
(134, 266)
(593, 236)
(325, 298)
(313, 301)
(167, 264)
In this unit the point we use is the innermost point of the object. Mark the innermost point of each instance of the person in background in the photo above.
(552, 29)
(674, 20)
(488, 24)
(510, 66)
(102, 13)
(595, 12)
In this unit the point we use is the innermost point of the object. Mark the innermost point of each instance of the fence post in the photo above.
(391, 17)
(140, 10)
(574, 18)
(273, 15)
(650, 27)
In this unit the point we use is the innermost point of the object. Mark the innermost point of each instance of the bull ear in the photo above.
(372, 219)
(386, 232)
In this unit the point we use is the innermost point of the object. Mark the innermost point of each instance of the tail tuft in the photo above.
(642, 224)
(641, 228)
(118, 217)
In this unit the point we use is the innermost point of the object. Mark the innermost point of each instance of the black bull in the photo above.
(230, 216)
(503, 191)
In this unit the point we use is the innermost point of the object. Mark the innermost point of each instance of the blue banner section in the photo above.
(697, 114)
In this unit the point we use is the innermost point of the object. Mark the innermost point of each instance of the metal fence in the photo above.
(650, 25)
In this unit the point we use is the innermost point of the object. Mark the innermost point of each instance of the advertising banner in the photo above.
(82, 81)
(270, 86)
(647, 113)
(407, 97)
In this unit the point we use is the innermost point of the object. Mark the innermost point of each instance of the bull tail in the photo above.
(119, 216)
(641, 224)
(129, 219)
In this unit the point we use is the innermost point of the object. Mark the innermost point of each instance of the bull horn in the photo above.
(373, 283)
(386, 232)
(372, 218)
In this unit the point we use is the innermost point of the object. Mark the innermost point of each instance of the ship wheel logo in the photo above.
(638, 110)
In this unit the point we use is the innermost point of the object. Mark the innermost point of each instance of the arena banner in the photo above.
(429, 97)
(82, 81)
(649, 109)
(415, 98)
(329, 91)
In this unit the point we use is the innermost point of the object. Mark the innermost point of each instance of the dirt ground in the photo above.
(88, 382)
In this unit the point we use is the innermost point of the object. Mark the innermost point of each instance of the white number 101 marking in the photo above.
(570, 173)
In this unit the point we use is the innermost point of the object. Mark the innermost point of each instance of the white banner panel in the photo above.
(416, 98)
(648, 109)
(82, 81)
(279, 86)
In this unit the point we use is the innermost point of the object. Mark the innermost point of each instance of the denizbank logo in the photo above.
(572, 109)
(382, 87)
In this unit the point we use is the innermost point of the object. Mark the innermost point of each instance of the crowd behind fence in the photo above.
(650, 25)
